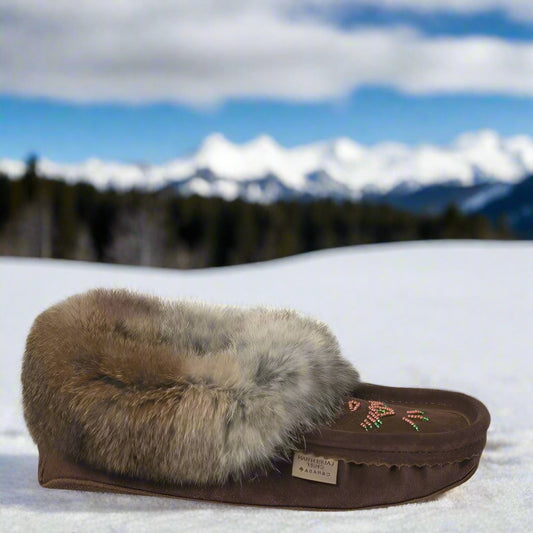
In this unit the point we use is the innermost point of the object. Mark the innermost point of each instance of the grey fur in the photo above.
(178, 391)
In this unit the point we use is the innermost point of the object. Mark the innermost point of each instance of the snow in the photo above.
(483, 154)
(12, 167)
(486, 196)
(454, 315)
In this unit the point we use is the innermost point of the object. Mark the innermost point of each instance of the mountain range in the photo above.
(474, 171)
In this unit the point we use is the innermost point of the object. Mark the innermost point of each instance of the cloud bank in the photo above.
(206, 52)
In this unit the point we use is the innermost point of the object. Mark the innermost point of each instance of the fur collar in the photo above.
(178, 391)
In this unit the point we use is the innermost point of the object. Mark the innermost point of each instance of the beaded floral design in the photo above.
(376, 411)
(379, 410)
(353, 405)
(412, 416)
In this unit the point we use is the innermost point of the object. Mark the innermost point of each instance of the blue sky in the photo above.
(370, 70)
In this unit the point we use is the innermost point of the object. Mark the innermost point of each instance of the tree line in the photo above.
(43, 217)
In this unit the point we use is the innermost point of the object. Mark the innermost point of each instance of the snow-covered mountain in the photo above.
(262, 170)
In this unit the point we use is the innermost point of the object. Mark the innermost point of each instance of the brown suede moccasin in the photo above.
(132, 394)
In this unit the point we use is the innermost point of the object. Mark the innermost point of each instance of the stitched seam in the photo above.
(407, 465)
(403, 402)
(410, 451)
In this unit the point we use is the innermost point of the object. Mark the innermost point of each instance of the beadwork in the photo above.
(376, 411)
(415, 414)
(353, 405)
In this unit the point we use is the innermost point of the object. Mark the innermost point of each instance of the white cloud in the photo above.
(204, 52)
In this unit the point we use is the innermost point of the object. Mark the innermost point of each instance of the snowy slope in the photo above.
(447, 314)
(472, 157)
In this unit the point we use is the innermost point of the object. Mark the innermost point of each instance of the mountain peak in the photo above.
(484, 155)
(263, 143)
(213, 142)
(485, 139)
(345, 148)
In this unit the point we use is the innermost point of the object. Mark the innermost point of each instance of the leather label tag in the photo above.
(314, 468)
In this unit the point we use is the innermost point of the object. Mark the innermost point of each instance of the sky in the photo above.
(147, 80)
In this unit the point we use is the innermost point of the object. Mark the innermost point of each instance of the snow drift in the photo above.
(447, 314)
